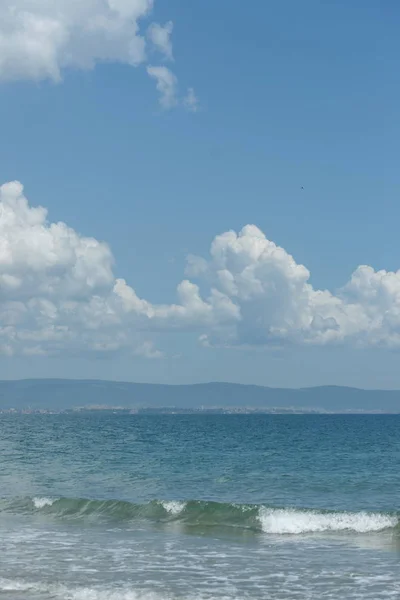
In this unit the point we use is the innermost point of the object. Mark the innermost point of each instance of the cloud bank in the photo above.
(39, 39)
(58, 295)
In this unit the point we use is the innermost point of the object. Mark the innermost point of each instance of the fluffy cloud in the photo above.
(41, 38)
(58, 294)
(161, 38)
(278, 305)
(166, 85)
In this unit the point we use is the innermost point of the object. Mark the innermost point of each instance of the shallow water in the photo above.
(198, 507)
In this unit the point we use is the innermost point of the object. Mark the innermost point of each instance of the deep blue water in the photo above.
(102, 505)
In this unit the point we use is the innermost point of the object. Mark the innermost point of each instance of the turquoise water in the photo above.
(126, 507)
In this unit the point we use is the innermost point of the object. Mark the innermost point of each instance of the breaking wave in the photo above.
(258, 518)
(288, 521)
(42, 502)
(173, 507)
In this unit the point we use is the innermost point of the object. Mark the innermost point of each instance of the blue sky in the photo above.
(291, 95)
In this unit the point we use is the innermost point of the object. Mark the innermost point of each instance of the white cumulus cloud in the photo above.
(278, 305)
(160, 36)
(166, 83)
(167, 86)
(39, 38)
(58, 294)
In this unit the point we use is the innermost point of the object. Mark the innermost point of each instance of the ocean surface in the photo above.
(104, 506)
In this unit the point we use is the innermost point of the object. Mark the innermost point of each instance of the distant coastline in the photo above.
(172, 410)
(61, 395)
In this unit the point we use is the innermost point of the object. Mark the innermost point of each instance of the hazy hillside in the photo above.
(61, 394)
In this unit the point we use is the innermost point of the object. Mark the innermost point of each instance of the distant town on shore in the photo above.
(55, 396)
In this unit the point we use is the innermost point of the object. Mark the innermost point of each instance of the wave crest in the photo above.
(210, 515)
(173, 507)
(42, 502)
(287, 521)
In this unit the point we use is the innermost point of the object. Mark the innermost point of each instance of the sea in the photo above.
(104, 506)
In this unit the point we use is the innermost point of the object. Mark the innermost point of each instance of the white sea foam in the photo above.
(42, 502)
(83, 593)
(288, 521)
(87, 593)
(173, 507)
(102, 594)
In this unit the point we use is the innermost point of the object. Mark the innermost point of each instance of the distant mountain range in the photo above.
(66, 394)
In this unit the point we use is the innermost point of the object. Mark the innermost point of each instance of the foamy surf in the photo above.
(295, 522)
(42, 502)
(210, 515)
(83, 593)
(173, 507)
